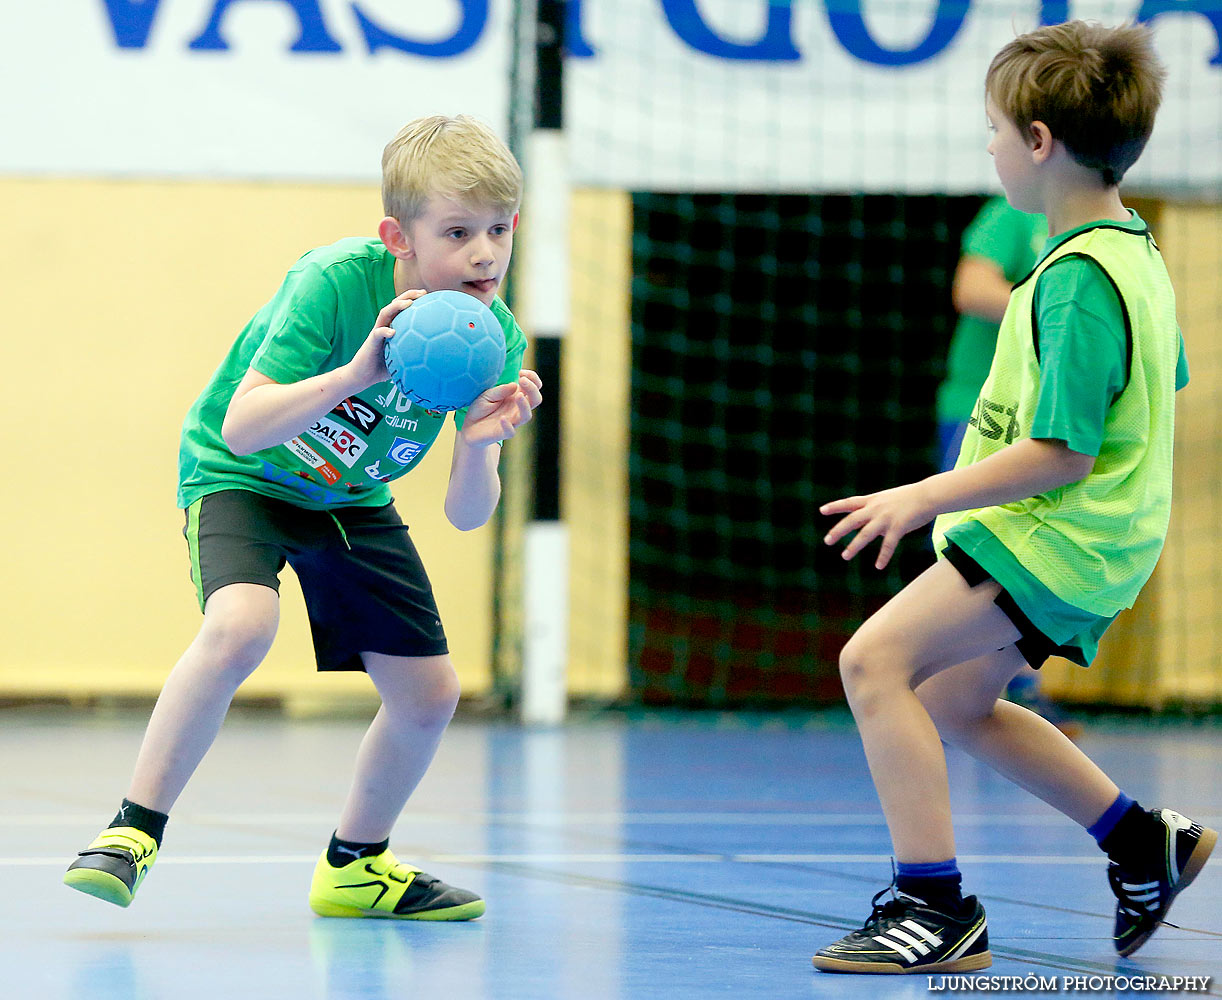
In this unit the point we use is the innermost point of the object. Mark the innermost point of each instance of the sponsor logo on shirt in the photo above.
(402, 423)
(404, 451)
(995, 420)
(358, 413)
(346, 445)
(310, 490)
(373, 472)
(314, 460)
(393, 395)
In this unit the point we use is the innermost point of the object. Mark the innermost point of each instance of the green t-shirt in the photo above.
(316, 322)
(1012, 240)
(1083, 350)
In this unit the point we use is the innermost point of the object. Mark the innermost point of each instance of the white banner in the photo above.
(847, 95)
(703, 95)
(300, 89)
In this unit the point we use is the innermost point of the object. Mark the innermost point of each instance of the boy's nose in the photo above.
(482, 252)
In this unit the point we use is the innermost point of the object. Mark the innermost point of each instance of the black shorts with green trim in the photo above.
(1034, 646)
(365, 587)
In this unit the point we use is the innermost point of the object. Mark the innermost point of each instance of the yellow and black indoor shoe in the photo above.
(114, 865)
(381, 886)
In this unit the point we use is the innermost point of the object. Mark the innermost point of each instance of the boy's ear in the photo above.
(1041, 141)
(395, 238)
(514, 225)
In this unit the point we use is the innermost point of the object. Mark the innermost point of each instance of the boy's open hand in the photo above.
(890, 515)
(497, 413)
(369, 364)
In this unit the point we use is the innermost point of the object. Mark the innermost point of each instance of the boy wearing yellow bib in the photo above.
(1048, 526)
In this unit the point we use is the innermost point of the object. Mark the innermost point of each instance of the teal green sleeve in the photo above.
(300, 325)
(1181, 365)
(1083, 353)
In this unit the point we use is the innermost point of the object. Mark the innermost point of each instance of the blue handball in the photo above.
(447, 349)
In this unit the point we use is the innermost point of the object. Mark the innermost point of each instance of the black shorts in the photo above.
(1034, 646)
(365, 587)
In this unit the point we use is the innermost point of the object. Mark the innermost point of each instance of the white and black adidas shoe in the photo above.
(1144, 896)
(904, 935)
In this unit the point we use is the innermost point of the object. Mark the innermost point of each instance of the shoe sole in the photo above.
(969, 963)
(101, 884)
(1196, 861)
(467, 911)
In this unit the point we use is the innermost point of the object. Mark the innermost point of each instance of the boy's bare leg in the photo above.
(240, 623)
(1018, 744)
(935, 622)
(419, 695)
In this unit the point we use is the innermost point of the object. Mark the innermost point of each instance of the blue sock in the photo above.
(936, 882)
(1106, 823)
(1022, 683)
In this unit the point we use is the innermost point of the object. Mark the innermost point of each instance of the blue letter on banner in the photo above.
(1211, 10)
(775, 46)
(575, 43)
(131, 21)
(314, 35)
(850, 28)
(1054, 11)
(474, 17)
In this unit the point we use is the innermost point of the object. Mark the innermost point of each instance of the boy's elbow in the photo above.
(465, 522)
(1078, 465)
(959, 299)
(233, 439)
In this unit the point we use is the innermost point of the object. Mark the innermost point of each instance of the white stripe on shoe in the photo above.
(897, 948)
(909, 940)
(909, 946)
(925, 932)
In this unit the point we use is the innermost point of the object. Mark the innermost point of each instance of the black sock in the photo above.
(149, 821)
(344, 852)
(941, 894)
(936, 884)
(1129, 842)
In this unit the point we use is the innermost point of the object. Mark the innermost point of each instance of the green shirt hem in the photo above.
(1065, 624)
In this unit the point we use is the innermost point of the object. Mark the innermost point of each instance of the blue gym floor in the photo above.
(622, 857)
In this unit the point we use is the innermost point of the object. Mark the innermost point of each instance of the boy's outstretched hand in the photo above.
(498, 412)
(890, 515)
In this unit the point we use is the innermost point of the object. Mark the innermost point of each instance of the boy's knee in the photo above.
(955, 712)
(425, 693)
(238, 639)
(439, 697)
(874, 665)
(862, 668)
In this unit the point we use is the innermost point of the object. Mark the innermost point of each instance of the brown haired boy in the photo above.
(1047, 527)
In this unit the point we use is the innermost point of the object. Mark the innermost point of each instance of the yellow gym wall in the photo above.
(121, 298)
